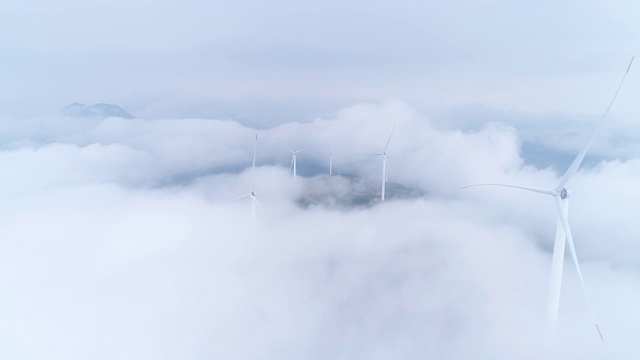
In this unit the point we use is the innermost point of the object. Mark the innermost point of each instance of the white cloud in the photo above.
(119, 242)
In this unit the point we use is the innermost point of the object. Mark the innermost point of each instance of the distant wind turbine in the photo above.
(561, 196)
(294, 162)
(330, 160)
(385, 163)
(251, 194)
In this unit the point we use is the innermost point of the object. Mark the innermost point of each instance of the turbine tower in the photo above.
(330, 160)
(385, 163)
(294, 157)
(561, 197)
(251, 194)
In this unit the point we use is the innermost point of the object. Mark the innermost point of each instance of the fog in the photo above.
(120, 242)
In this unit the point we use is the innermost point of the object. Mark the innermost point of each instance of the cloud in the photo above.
(120, 242)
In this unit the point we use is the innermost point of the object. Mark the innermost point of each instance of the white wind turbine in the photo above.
(330, 160)
(294, 160)
(385, 163)
(251, 194)
(561, 196)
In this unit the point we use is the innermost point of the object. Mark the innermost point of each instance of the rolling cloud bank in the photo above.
(120, 240)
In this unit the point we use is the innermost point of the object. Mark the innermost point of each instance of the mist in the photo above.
(120, 241)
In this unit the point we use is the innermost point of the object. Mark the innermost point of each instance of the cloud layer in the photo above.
(120, 242)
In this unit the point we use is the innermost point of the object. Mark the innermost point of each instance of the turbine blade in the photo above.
(329, 148)
(563, 217)
(538, 190)
(255, 200)
(238, 198)
(387, 144)
(555, 281)
(578, 160)
(290, 149)
(253, 165)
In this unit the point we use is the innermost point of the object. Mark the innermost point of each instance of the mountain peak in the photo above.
(102, 110)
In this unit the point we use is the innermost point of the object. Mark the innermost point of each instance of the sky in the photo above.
(279, 61)
(120, 239)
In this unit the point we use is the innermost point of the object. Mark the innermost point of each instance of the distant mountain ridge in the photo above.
(97, 110)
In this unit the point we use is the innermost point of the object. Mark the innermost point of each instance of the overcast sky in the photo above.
(119, 240)
(254, 59)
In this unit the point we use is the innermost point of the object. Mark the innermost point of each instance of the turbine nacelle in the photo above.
(563, 194)
(294, 153)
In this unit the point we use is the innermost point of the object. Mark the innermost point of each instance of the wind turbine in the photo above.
(330, 160)
(385, 163)
(294, 156)
(251, 194)
(561, 197)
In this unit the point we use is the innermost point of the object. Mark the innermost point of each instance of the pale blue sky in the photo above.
(207, 58)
